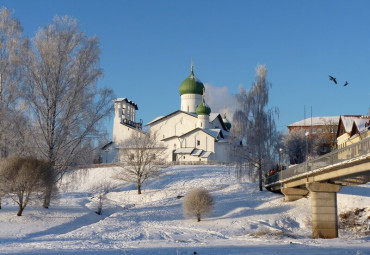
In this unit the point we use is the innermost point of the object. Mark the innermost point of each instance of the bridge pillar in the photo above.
(324, 209)
(293, 194)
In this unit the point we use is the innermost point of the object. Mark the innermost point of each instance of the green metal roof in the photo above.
(203, 109)
(226, 122)
(191, 85)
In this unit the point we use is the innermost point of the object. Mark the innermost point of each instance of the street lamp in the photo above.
(280, 159)
(306, 135)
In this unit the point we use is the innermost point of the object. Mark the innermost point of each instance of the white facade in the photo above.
(188, 136)
(186, 141)
(124, 127)
(190, 102)
(124, 123)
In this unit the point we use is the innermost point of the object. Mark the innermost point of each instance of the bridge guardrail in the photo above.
(355, 150)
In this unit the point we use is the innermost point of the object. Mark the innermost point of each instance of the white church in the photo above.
(191, 134)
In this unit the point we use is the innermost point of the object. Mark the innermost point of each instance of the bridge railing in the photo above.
(355, 150)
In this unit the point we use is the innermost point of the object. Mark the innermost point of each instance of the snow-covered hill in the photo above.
(244, 220)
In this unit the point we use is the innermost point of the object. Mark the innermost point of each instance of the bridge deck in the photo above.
(346, 166)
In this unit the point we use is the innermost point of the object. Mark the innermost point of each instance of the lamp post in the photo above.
(280, 160)
(306, 135)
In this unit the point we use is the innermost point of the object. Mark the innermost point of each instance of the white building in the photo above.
(193, 133)
(124, 125)
(190, 134)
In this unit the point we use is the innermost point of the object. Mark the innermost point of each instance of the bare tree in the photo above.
(21, 177)
(301, 145)
(142, 158)
(295, 146)
(102, 189)
(256, 125)
(12, 48)
(197, 202)
(65, 105)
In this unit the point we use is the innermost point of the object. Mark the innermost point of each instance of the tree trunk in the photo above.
(21, 208)
(138, 187)
(0, 202)
(260, 175)
(198, 217)
(47, 198)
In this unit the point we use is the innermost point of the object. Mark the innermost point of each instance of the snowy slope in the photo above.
(244, 220)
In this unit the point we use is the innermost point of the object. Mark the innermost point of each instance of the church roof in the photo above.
(203, 109)
(191, 85)
(169, 115)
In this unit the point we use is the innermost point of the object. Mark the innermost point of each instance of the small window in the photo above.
(184, 157)
(198, 142)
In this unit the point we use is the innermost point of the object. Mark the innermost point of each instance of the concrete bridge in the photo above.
(322, 178)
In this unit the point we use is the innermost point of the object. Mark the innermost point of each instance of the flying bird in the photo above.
(333, 79)
(345, 84)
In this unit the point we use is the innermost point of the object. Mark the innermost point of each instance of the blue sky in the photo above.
(147, 47)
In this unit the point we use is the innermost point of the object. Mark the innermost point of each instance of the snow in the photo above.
(317, 121)
(244, 220)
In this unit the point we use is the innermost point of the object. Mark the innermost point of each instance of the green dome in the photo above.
(191, 85)
(203, 109)
(226, 122)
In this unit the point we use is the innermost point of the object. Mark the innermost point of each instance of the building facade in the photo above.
(191, 134)
(324, 128)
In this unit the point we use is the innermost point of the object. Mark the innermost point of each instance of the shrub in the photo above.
(21, 177)
(198, 202)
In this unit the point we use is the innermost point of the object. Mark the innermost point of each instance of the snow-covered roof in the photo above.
(361, 124)
(158, 118)
(316, 121)
(213, 116)
(205, 154)
(214, 132)
(196, 152)
(168, 115)
(184, 150)
(357, 119)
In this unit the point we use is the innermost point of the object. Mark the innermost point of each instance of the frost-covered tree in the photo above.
(142, 158)
(301, 147)
(197, 202)
(295, 146)
(255, 125)
(12, 49)
(66, 107)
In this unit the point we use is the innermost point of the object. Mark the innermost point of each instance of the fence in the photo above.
(355, 150)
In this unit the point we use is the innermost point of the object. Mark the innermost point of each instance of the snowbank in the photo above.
(244, 220)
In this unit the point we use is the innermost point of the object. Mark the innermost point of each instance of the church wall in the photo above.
(176, 125)
(122, 132)
(206, 142)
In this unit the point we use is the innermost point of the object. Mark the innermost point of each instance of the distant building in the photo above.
(323, 127)
(352, 129)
